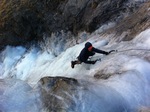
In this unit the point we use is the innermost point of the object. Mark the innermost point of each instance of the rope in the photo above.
(146, 50)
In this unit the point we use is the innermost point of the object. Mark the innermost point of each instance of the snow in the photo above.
(129, 78)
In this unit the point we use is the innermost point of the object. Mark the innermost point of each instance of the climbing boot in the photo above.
(72, 64)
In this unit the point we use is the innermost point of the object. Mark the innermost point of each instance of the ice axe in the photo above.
(112, 51)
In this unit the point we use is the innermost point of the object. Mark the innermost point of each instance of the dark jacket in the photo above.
(85, 53)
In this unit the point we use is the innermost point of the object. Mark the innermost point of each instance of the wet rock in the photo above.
(133, 24)
(58, 93)
(26, 20)
(102, 76)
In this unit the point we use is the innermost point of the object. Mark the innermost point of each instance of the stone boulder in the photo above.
(58, 92)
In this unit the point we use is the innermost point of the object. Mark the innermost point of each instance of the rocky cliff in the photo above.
(132, 25)
(26, 20)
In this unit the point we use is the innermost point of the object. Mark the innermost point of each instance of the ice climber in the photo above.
(86, 52)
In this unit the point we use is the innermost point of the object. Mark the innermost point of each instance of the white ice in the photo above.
(130, 74)
(18, 96)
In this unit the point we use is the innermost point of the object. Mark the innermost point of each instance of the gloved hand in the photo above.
(93, 62)
(106, 53)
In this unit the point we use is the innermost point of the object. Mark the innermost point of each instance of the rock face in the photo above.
(134, 24)
(25, 20)
(20, 21)
(58, 92)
